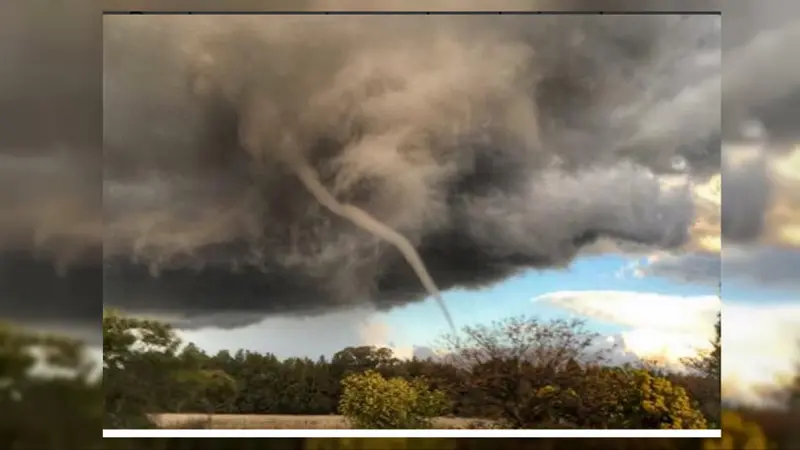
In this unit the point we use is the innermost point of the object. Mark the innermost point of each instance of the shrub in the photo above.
(624, 398)
(737, 433)
(371, 401)
(658, 403)
(604, 397)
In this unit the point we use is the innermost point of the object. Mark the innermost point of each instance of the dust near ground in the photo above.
(280, 422)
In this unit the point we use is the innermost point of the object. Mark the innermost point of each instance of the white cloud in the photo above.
(667, 348)
(685, 315)
(760, 347)
(760, 342)
(660, 328)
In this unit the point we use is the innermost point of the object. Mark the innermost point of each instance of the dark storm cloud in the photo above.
(762, 79)
(489, 143)
(493, 144)
(50, 163)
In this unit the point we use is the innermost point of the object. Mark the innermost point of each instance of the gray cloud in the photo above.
(756, 86)
(771, 267)
(761, 85)
(746, 189)
(50, 162)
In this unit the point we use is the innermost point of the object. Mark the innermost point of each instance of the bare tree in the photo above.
(523, 366)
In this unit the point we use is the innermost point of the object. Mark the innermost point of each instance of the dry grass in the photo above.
(275, 421)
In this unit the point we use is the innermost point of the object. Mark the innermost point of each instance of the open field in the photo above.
(276, 421)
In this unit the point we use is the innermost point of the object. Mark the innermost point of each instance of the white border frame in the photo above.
(273, 433)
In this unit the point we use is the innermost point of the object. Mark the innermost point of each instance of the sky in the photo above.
(655, 305)
(529, 293)
(649, 303)
(659, 110)
(653, 317)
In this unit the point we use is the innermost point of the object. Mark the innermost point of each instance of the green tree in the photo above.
(138, 359)
(145, 372)
(371, 401)
(360, 359)
(207, 391)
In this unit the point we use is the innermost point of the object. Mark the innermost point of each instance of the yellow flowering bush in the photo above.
(623, 398)
(664, 405)
(371, 401)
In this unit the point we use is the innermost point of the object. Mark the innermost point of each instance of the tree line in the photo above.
(520, 372)
(147, 369)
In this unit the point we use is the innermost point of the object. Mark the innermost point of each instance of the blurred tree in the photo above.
(705, 381)
(56, 407)
(738, 434)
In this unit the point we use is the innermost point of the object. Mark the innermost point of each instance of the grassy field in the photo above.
(270, 421)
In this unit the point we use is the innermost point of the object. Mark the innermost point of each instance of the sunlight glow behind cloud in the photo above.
(758, 354)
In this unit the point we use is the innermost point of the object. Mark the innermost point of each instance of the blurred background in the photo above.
(51, 168)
